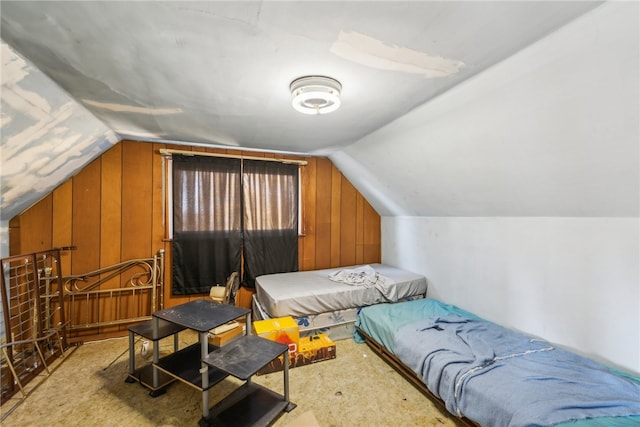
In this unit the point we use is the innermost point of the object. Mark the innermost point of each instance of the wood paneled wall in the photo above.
(112, 211)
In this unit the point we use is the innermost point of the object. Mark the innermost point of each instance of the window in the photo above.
(227, 211)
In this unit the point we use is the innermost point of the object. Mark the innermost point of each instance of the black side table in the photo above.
(251, 404)
(144, 374)
(187, 364)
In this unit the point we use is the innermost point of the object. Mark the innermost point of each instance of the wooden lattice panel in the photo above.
(33, 331)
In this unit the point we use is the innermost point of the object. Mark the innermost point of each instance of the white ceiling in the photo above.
(218, 73)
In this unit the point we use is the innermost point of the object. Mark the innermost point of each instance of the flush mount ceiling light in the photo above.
(315, 94)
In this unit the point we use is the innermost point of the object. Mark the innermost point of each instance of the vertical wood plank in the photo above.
(86, 232)
(359, 229)
(14, 236)
(111, 207)
(323, 214)
(110, 227)
(372, 235)
(137, 201)
(86, 219)
(244, 297)
(137, 205)
(62, 224)
(347, 224)
(35, 226)
(336, 226)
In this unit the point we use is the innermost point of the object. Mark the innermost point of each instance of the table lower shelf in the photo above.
(185, 365)
(249, 405)
(144, 375)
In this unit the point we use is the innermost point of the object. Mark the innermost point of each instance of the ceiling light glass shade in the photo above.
(315, 94)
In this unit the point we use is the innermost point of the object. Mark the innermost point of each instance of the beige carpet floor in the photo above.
(356, 389)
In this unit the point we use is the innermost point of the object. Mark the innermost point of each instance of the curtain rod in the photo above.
(168, 152)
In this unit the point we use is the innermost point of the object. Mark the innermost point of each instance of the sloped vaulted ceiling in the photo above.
(46, 135)
(78, 76)
(553, 131)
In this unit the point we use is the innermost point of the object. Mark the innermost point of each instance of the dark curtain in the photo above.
(207, 233)
(270, 198)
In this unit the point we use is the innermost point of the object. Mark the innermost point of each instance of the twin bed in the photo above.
(493, 376)
(328, 300)
(481, 372)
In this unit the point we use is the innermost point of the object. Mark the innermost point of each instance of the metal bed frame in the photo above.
(44, 311)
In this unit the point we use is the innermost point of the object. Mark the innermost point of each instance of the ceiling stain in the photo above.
(132, 134)
(370, 52)
(123, 108)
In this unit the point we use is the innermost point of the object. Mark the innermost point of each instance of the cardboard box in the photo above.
(281, 329)
(220, 339)
(315, 349)
(311, 349)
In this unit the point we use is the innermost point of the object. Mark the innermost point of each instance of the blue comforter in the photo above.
(499, 377)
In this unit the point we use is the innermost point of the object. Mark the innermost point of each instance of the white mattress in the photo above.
(305, 293)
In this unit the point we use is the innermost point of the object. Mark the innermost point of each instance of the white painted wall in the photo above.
(572, 281)
(517, 193)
